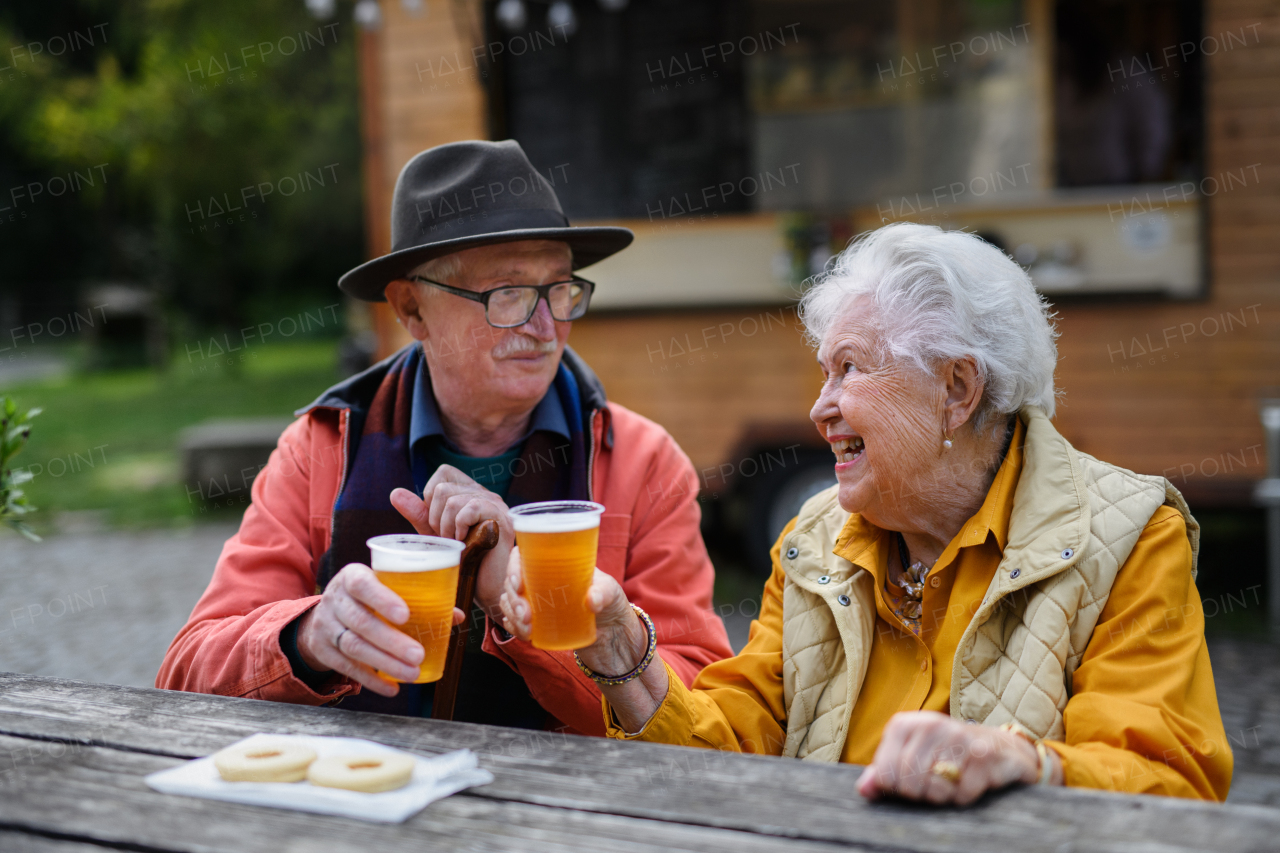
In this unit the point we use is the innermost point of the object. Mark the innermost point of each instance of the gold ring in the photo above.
(948, 770)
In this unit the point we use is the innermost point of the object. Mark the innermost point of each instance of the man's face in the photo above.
(489, 371)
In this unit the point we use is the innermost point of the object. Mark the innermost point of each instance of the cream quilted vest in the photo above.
(1075, 520)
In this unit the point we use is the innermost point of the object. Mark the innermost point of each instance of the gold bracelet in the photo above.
(1044, 767)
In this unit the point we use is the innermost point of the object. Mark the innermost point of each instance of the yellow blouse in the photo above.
(1143, 715)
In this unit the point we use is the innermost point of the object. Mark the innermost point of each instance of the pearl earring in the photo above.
(946, 440)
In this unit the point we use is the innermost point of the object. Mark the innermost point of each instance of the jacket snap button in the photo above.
(1014, 574)
(824, 579)
(792, 553)
(935, 582)
(1068, 554)
(844, 600)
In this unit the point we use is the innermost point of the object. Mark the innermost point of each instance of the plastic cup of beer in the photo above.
(558, 542)
(423, 570)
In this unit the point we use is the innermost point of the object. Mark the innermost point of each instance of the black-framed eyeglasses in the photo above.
(512, 305)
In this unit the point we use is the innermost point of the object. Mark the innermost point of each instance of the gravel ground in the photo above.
(98, 606)
(1247, 675)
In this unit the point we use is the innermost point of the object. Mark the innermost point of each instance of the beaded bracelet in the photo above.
(614, 680)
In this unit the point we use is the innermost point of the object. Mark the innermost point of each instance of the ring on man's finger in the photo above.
(945, 769)
(337, 641)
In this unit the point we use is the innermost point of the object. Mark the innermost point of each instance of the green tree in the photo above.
(223, 139)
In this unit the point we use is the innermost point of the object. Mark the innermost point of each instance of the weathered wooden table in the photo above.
(73, 756)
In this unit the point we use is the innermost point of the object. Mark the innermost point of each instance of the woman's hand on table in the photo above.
(621, 643)
(344, 634)
(987, 758)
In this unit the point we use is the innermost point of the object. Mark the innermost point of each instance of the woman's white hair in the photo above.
(943, 295)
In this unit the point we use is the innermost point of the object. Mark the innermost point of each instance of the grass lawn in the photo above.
(108, 440)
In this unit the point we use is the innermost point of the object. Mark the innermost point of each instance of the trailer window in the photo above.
(883, 100)
(631, 103)
(890, 99)
(1067, 133)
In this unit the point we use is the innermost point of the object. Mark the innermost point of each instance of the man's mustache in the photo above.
(517, 344)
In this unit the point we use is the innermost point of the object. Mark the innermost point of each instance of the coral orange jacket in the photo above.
(266, 576)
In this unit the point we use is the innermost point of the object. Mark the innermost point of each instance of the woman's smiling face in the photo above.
(882, 419)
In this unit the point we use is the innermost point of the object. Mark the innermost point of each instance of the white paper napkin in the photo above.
(433, 779)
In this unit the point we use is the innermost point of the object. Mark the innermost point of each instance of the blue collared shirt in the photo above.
(424, 425)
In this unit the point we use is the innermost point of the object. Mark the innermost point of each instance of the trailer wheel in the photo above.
(776, 497)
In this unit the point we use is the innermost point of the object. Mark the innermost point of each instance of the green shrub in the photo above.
(15, 429)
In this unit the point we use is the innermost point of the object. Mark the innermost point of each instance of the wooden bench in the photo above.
(221, 457)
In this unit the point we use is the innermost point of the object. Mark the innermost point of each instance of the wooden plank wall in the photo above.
(1191, 405)
(420, 88)
(1154, 386)
(708, 376)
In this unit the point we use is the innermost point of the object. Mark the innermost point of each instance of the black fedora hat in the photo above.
(466, 194)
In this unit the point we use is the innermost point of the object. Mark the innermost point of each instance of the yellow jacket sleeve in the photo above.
(736, 703)
(1143, 716)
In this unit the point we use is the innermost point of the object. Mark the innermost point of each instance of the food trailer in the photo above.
(1126, 153)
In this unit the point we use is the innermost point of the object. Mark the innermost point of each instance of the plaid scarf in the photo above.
(549, 468)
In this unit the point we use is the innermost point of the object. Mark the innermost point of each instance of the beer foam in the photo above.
(555, 522)
(412, 553)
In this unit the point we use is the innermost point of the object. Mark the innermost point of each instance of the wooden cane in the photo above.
(479, 541)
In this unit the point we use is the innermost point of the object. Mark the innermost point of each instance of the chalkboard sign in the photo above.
(633, 109)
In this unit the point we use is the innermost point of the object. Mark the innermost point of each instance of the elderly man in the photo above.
(490, 410)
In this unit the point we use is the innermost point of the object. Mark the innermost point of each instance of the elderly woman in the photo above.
(975, 603)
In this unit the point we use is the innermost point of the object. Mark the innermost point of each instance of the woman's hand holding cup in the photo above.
(605, 599)
(621, 642)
